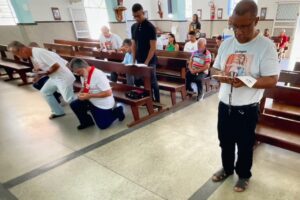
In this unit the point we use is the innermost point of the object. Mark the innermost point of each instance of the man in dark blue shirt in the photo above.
(144, 45)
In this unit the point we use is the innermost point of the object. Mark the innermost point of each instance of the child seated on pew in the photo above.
(95, 97)
(126, 47)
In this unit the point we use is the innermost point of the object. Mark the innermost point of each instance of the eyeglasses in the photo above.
(242, 28)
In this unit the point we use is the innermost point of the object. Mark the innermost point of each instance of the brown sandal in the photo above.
(241, 185)
(220, 176)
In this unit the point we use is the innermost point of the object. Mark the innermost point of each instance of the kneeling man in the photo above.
(96, 96)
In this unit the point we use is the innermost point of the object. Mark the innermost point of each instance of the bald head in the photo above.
(243, 21)
(105, 31)
(244, 7)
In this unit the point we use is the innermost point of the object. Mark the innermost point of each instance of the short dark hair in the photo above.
(127, 41)
(219, 37)
(192, 33)
(137, 7)
(76, 63)
(244, 7)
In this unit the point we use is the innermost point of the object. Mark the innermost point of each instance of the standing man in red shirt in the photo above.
(283, 43)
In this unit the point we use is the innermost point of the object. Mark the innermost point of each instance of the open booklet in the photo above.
(248, 80)
(138, 65)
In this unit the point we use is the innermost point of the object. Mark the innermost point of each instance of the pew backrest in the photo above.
(108, 66)
(60, 48)
(289, 77)
(116, 57)
(288, 95)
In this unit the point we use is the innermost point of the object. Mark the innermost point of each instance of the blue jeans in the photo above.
(103, 118)
(41, 82)
(65, 90)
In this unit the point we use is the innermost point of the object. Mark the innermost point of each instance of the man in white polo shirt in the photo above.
(246, 54)
(96, 96)
(50, 64)
(110, 42)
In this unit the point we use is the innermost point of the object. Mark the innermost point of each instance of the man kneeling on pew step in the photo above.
(96, 96)
(49, 64)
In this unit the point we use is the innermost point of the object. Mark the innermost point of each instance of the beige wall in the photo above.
(9, 33)
(211, 28)
(40, 32)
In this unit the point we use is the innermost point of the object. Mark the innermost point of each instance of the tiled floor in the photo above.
(171, 158)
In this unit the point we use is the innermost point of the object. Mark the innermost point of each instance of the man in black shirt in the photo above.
(144, 45)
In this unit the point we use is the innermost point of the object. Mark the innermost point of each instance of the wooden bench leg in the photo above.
(150, 108)
(183, 94)
(135, 112)
(24, 79)
(173, 97)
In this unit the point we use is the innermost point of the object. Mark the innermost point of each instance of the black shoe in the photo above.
(120, 113)
(200, 96)
(83, 126)
(53, 116)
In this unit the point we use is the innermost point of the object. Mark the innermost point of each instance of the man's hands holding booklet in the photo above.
(228, 79)
(236, 81)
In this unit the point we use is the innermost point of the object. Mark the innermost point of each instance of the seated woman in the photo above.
(172, 44)
(126, 47)
(96, 97)
(198, 67)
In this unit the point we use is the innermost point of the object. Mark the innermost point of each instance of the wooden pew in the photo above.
(80, 47)
(170, 72)
(209, 83)
(88, 40)
(116, 57)
(174, 54)
(181, 45)
(297, 66)
(290, 78)
(171, 75)
(14, 65)
(119, 90)
(60, 48)
(279, 122)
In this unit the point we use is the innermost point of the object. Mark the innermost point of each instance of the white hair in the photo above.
(202, 40)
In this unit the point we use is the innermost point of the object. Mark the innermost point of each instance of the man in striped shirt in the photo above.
(198, 67)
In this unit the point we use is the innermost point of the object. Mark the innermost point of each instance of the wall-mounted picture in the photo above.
(263, 13)
(199, 13)
(56, 14)
(220, 13)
